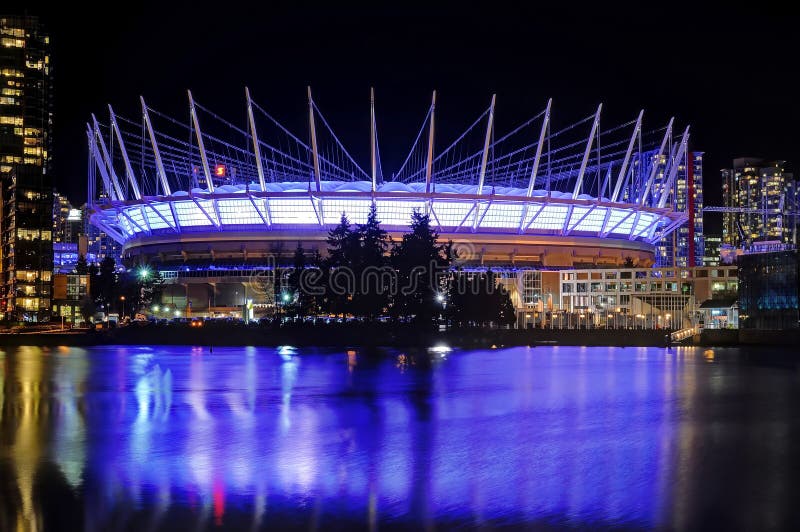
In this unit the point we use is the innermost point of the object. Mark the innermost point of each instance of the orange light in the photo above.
(219, 170)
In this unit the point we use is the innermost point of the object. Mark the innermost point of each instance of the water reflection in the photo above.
(164, 438)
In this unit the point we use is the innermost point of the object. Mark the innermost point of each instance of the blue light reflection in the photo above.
(248, 437)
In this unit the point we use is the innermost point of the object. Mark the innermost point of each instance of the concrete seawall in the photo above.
(342, 336)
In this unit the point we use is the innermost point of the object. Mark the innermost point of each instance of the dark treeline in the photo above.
(367, 275)
(111, 290)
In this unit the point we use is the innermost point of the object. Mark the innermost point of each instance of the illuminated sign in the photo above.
(219, 170)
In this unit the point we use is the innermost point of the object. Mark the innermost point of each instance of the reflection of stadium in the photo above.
(208, 202)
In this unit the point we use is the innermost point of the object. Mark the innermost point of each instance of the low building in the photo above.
(768, 288)
(721, 312)
(69, 289)
(668, 298)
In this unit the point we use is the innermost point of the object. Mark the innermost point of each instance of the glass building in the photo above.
(684, 247)
(26, 193)
(768, 290)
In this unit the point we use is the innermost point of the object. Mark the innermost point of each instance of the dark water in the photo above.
(169, 438)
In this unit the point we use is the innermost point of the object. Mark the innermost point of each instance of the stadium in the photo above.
(212, 204)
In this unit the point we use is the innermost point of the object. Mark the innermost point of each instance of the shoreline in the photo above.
(378, 335)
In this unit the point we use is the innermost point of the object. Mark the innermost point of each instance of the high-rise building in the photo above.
(68, 222)
(761, 197)
(27, 244)
(100, 245)
(26, 222)
(686, 246)
(61, 207)
(69, 240)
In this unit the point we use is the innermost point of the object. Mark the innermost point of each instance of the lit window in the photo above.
(7, 42)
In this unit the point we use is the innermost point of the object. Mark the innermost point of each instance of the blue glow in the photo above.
(523, 435)
(453, 207)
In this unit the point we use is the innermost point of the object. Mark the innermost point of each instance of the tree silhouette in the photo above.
(337, 268)
(370, 265)
(477, 299)
(421, 264)
(82, 267)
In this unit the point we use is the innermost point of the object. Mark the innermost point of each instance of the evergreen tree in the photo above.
(87, 308)
(302, 302)
(506, 312)
(338, 273)
(94, 282)
(479, 300)
(372, 274)
(104, 283)
(81, 268)
(421, 264)
(341, 240)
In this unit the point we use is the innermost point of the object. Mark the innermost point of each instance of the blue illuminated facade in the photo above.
(245, 199)
(514, 185)
(768, 290)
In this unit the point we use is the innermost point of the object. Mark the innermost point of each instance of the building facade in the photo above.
(768, 290)
(69, 292)
(685, 247)
(67, 220)
(100, 245)
(761, 197)
(711, 250)
(668, 298)
(27, 245)
(25, 169)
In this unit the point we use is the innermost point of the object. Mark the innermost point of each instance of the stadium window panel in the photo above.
(355, 209)
(137, 217)
(551, 217)
(154, 220)
(190, 215)
(451, 213)
(502, 215)
(293, 211)
(238, 212)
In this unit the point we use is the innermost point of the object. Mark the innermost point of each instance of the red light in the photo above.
(219, 171)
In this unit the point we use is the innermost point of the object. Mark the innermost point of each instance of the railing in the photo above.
(683, 334)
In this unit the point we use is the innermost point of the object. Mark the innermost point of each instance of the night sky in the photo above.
(730, 74)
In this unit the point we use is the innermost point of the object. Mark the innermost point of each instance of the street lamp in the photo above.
(122, 298)
(284, 300)
(144, 273)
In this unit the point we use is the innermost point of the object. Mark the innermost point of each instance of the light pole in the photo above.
(284, 300)
(122, 298)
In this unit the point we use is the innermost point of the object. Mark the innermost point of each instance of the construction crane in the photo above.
(792, 214)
